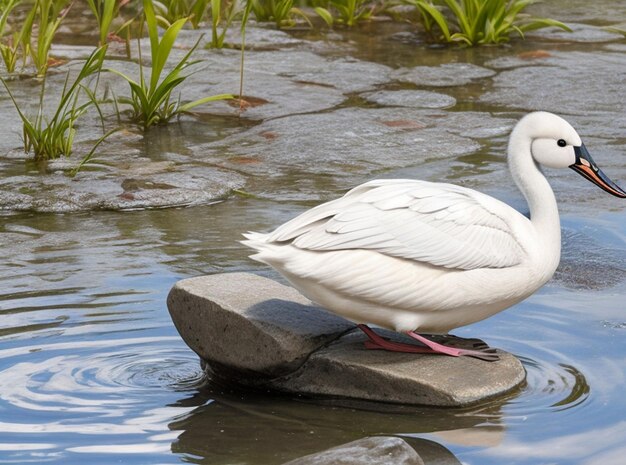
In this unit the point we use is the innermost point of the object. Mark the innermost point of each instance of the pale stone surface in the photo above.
(377, 450)
(347, 369)
(444, 75)
(580, 33)
(250, 324)
(254, 331)
(410, 98)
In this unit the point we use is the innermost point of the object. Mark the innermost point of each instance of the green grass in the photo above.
(51, 138)
(151, 102)
(45, 16)
(347, 12)
(281, 12)
(173, 10)
(477, 22)
(6, 7)
(8, 46)
(105, 12)
(223, 13)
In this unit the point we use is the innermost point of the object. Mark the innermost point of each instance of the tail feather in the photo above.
(260, 243)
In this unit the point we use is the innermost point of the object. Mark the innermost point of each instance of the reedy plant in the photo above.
(51, 138)
(478, 22)
(8, 50)
(6, 7)
(281, 12)
(105, 11)
(173, 10)
(348, 12)
(151, 103)
(46, 15)
(223, 13)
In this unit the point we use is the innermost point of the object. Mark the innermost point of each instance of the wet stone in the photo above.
(560, 87)
(260, 37)
(249, 325)
(410, 98)
(346, 369)
(620, 47)
(377, 450)
(444, 75)
(356, 141)
(107, 188)
(256, 332)
(283, 96)
(584, 33)
(270, 77)
(346, 74)
(71, 52)
(536, 57)
(579, 11)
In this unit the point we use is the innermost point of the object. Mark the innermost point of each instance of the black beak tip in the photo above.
(586, 167)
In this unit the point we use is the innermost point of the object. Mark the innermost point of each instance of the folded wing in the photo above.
(440, 224)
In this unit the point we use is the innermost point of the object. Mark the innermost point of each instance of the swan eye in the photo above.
(561, 143)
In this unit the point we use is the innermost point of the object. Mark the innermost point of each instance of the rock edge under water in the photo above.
(256, 332)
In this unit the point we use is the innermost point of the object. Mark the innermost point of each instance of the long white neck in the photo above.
(544, 214)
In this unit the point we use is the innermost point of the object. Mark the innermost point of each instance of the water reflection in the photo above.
(252, 428)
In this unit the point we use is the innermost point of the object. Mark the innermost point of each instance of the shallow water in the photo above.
(93, 371)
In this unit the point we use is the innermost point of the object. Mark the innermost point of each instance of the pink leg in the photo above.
(428, 347)
(378, 342)
(486, 354)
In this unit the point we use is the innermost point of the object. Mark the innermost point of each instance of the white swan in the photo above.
(420, 256)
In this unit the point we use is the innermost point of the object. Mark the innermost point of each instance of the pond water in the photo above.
(92, 369)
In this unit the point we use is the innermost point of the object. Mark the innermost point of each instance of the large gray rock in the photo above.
(346, 369)
(249, 325)
(253, 331)
(378, 450)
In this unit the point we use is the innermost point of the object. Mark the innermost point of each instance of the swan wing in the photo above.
(439, 224)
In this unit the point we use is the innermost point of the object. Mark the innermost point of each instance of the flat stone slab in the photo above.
(249, 325)
(444, 75)
(347, 369)
(253, 331)
(410, 98)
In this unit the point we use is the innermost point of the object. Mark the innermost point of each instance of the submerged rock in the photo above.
(355, 140)
(377, 450)
(259, 37)
(559, 86)
(444, 75)
(115, 188)
(584, 33)
(410, 98)
(382, 450)
(255, 332)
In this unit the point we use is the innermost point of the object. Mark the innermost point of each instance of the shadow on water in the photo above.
(252, 428)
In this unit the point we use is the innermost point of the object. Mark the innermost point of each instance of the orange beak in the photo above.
(586, 167)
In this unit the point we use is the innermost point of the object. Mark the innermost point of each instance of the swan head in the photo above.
(556, 144)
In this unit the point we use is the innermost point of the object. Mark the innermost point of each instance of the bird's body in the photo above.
(419, 256)
(409, 255)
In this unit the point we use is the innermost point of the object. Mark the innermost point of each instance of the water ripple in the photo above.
(125, 390)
